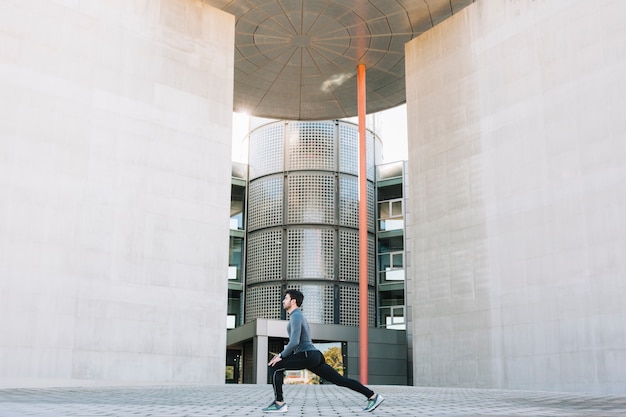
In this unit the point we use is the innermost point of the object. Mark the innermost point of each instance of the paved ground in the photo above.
(303, 400)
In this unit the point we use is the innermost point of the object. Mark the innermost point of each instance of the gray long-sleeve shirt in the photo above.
(299, 334)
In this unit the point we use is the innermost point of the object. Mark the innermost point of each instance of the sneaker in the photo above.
(276, 408)
(372, 403)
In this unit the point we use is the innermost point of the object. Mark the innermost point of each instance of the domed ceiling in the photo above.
(296, 59)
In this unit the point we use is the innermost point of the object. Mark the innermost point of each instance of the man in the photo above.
(300, 354)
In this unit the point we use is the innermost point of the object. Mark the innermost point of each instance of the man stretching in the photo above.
(301, 354)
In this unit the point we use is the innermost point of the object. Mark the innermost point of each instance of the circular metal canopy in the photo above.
(296, 59)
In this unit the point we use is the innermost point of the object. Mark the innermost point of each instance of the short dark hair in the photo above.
(295, 295)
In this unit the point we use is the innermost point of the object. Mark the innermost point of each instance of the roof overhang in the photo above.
(296, 59)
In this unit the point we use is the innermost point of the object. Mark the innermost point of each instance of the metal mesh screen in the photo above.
(349, 255)
(349, 306)
(369, 155)
(310, 254)
(264, 256)
(371, 251)
(266, 150)
(311, 198)
(263, 302)
(314, 166)
(348, 149)
(348, 201)
(371, 208)
(265, 206)
(311, 146)
(318, 302)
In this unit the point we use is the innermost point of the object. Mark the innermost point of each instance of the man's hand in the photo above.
(275, 360)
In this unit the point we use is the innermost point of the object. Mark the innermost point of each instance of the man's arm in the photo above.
(295, 330)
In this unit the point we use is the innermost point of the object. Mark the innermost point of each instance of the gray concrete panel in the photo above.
(115, 175)
(517, 157)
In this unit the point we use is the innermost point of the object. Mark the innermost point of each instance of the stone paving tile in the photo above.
(303, 400)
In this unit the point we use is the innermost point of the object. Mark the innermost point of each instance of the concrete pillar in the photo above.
(261, 353)
(115, 176)
(517, 161)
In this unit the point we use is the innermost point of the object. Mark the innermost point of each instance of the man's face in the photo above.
(287, 302)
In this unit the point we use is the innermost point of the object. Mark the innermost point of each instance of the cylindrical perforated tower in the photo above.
(302, 228)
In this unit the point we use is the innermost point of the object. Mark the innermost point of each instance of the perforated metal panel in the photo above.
(266, 150)
(310, 254)
(371, 208)
(265, 207)
(371, 265)
(311, 145)
(318, 302)
(314, 246)
(348, 148)
(349, 255)
(348, 201)
(371, 310)
(311, 198)
(264, 256)
(349, 306)
(369, 154)
(263, 302)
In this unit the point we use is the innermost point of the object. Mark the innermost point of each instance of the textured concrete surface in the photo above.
(115, 176)
(517, 167)
(303, 400)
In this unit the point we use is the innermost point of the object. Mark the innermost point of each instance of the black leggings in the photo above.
(314, 361)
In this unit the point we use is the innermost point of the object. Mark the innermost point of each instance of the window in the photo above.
(235, 258)
(234, 309)
(392, 317)
(390, 215)
(391, 267)
(237, 204)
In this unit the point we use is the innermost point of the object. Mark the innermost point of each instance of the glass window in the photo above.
(237, 204)
(384, 262)
(390, 267)
(234, 308)
(392, 317)
(390, 244)
(390, 192)
(398, 260)
(235, 258)
(387, 261)
(390, 215)
(396, 208)
(383, 210)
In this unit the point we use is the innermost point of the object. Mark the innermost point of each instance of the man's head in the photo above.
(292, 297)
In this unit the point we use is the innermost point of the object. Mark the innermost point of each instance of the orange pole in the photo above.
(363, 335)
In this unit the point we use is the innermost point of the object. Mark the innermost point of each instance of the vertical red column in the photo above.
(363, 279)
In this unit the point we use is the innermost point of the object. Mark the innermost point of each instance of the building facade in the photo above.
(114, 179)
(114, 165)
(517, 157)
(302, 232)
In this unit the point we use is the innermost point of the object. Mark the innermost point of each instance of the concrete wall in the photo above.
(115, 135)
(517, 160)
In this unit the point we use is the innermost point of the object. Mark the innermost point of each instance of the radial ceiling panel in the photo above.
(296, 59)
